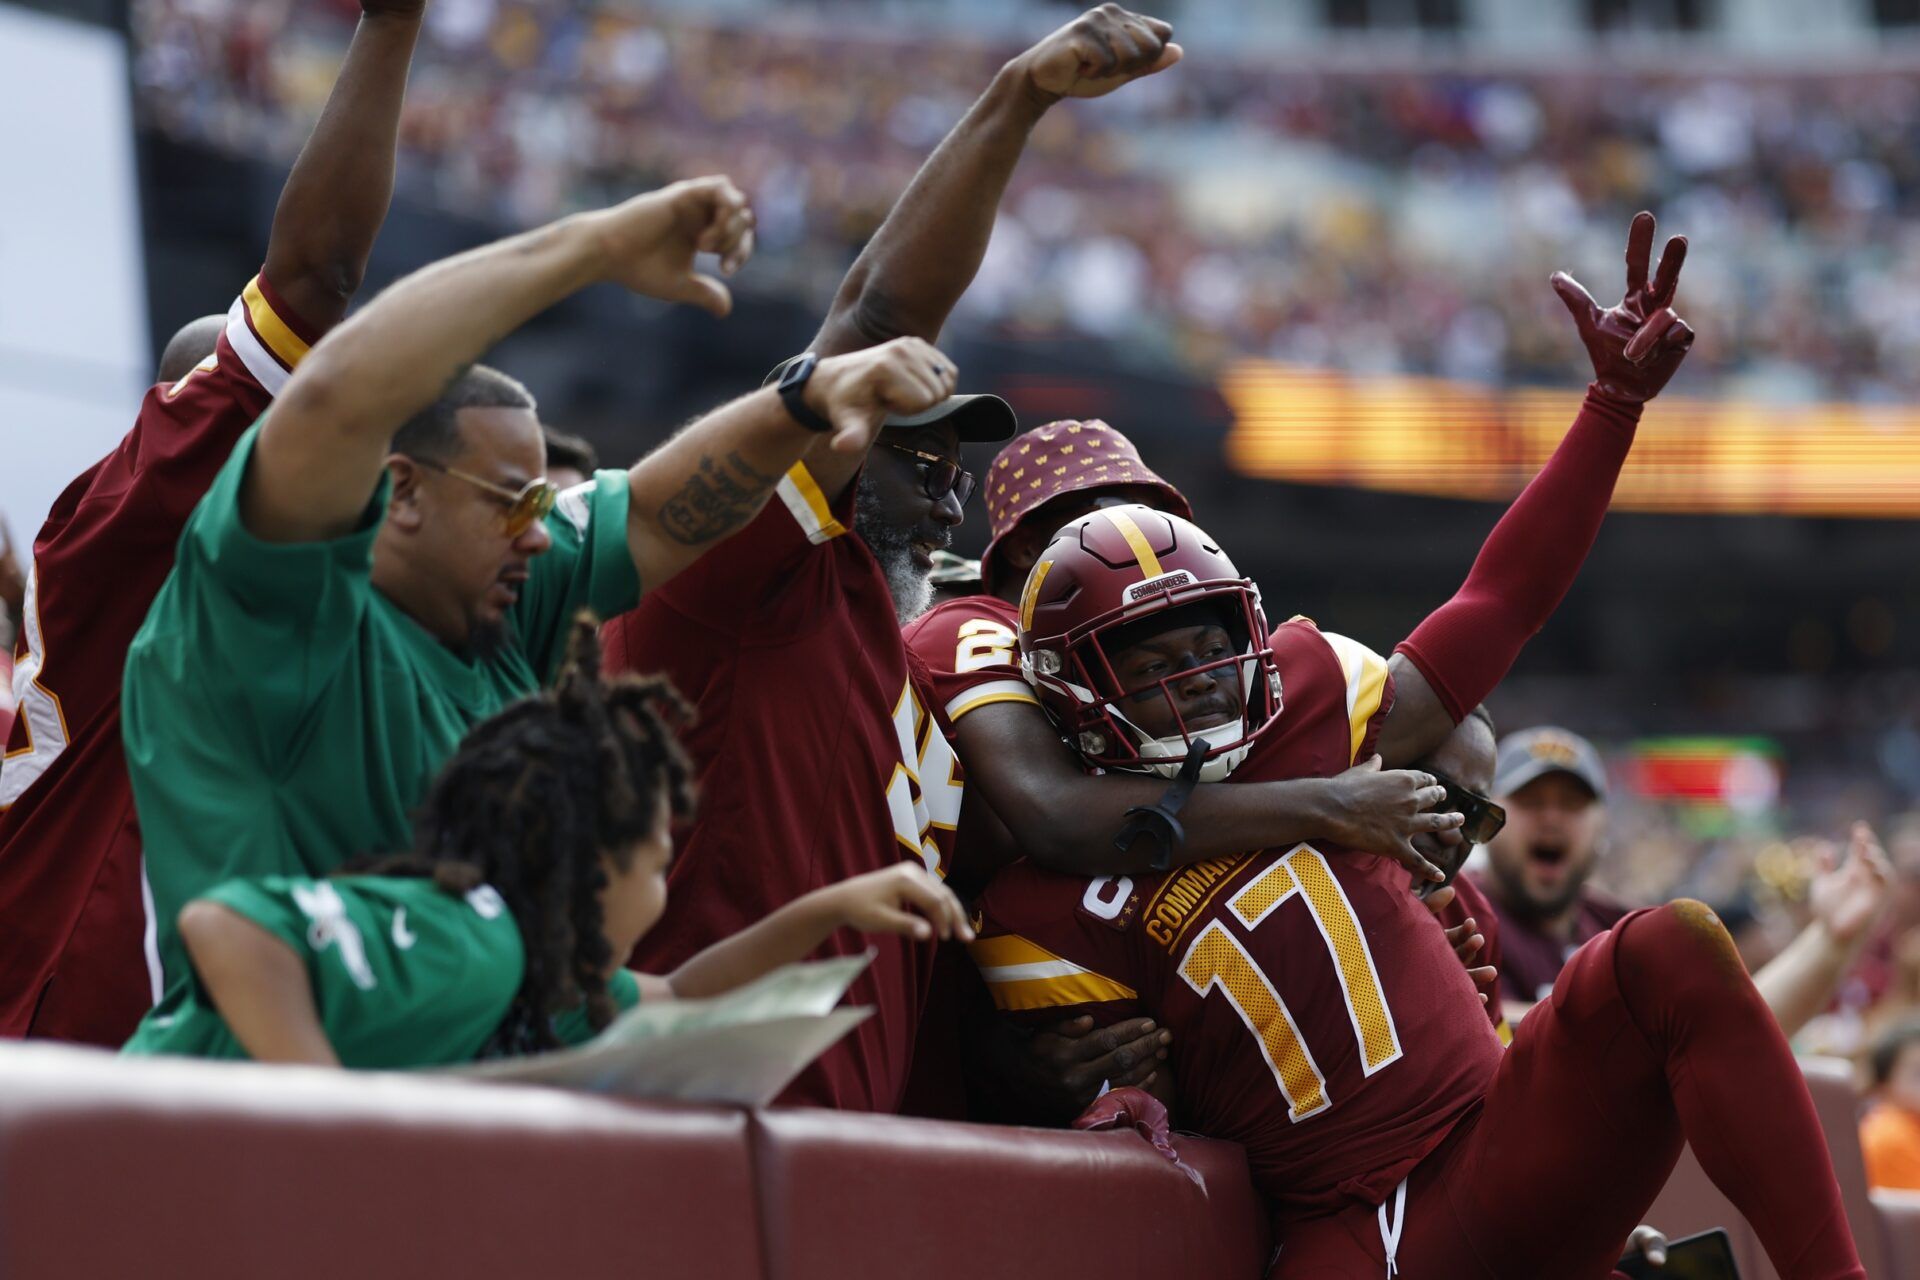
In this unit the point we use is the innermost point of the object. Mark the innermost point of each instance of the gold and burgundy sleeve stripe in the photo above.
(264, 332)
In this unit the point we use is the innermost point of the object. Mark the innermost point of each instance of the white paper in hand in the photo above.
(742, 1048)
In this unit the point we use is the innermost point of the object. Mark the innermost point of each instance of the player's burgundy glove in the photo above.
(1637, 344)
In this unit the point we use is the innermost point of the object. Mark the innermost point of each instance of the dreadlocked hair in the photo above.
(529, 804)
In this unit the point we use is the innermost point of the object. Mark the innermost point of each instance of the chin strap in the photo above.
(1161, 822)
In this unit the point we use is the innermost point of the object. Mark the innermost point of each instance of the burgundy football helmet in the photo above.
(1115, 568)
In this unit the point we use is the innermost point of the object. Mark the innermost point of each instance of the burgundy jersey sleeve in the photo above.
(1334, 696)
(118, 522)
(772, 577)
(972, 650)
(186, 431)
(1369, 692)
(1051, 947)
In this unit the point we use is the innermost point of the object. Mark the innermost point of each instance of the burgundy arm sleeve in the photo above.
(1465, 647)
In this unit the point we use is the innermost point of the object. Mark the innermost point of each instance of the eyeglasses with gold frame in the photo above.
(532, 501)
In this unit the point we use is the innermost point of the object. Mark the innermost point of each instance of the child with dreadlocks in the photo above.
(539, 860)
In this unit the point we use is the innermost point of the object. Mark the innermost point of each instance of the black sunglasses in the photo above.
(940, 476)
(1483, 817)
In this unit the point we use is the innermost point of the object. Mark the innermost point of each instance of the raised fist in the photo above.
(1637, 344)
(1098, 52)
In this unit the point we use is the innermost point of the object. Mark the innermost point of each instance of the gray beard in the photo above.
(910, 586)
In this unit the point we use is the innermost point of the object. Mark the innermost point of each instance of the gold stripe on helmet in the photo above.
(1142, 549)
(1032, 593)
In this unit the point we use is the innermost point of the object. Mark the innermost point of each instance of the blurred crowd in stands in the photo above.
(1373, 222)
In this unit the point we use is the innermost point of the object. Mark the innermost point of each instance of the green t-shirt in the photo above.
(282, 716)
(404, 974)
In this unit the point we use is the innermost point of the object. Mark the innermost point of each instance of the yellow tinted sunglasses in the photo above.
(534, 500)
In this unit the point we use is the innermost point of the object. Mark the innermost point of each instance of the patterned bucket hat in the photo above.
(1060, 458)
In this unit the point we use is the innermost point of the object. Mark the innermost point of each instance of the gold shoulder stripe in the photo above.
(1006, 949)
(1058, 993)
(1142, 549)
(286, 345)
(1366, 676)
(986, 694)
(802, 496)
(1023, 975)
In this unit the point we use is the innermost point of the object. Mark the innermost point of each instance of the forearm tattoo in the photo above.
(718, 498)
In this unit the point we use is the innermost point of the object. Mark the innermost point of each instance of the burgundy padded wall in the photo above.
(874, 1196)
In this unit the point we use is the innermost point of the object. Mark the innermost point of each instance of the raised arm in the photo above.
(1066, 820)
(335, 199)
(1848, 899)
(323, 446)
(322, 449)
(1453, 659)
(927, 251)
(924, 256)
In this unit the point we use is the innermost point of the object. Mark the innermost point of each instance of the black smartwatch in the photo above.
(793, 393)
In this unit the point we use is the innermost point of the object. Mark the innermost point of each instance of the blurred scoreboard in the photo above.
(1456, 440)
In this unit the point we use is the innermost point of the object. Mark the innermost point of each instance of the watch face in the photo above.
(798, 372)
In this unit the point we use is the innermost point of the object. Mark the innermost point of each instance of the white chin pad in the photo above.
(1165, 756)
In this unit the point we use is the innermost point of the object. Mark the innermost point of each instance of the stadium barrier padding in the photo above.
(861, 1195)
(112, 1167)
(156, 1168)
(211, 1170)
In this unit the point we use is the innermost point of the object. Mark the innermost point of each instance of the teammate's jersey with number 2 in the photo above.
(1319, 1016)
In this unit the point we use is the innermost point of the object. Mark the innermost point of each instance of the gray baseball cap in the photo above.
(1534, 753)
(980, 418)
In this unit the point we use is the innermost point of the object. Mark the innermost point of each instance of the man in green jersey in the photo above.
(380, 564)
(539, 859)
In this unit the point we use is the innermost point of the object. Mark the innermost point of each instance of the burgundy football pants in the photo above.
(1653, 1035)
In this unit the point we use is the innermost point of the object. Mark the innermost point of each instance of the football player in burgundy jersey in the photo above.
(1029, 790)
(821, 748)
(1040, 481)
(1318, 1018)
(71, 948)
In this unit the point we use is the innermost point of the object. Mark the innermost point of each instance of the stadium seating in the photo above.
(1900, 1211)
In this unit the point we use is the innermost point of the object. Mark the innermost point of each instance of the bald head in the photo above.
(192, 344)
